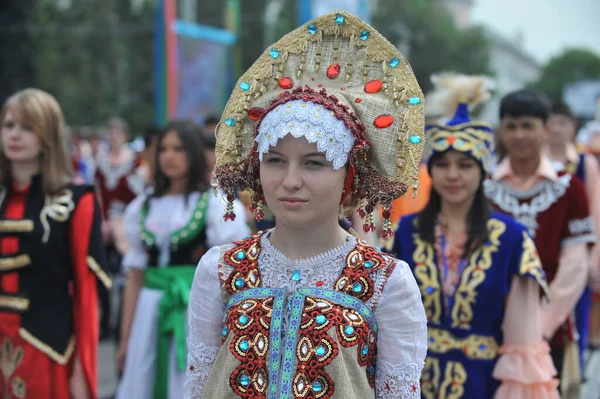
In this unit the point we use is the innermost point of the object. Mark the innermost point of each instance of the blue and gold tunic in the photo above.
(465, 335)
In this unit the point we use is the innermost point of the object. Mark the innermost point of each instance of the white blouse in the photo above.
(170, 213)
(402, 336)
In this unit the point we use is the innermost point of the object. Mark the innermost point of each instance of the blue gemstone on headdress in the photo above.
(365, 350)
(364, 35)
(274, 53)
(429, 290)
(321, 351)
(230, 122)
(394, 62)
(245, 86)
(320, 319)
(317, 386)
(349, 330)
(415, 139)
(460, 143)
(245, 380)
(244, 345)
(479, 147)
(339, 19)
(414, 100)
(296, 275)
(312, 29)
(243, 319)
(240, 283)
(240, 255)
(357, 287)
(482, 347)
(368, 264)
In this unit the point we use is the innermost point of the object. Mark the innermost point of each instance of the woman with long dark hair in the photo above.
(168, 231)
(478, 271)
(51, 253)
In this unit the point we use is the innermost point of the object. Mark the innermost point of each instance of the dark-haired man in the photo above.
(552, 205)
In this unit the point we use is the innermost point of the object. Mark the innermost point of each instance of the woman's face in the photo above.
(19, 142)
(456, 176)
(300, 186)
(172, 158)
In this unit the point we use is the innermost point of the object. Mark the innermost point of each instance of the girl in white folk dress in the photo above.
(168, 231)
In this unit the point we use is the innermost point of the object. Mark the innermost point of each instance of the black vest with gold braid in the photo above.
(44, 266)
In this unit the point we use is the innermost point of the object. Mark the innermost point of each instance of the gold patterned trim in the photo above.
(14, 262)
(101, 274)
(11, 357)
(474, 274)
(452, 386)
(430, 378)
(57, 207)
(14, 303)
(482, 347)
(455, 377)
(426, 274)
(16, 226)
(531, 265)
(52, 354)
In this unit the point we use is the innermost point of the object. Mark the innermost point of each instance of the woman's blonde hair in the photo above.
(42, 112)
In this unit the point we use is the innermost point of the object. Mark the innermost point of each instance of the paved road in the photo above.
(108, 378)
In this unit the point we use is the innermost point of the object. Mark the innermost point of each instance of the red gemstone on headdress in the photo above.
(373, 86)
(333, 71)
(358, 100)
(383, 121)
(450, 139)
(255, 113)
(387, 214)
(286, 83)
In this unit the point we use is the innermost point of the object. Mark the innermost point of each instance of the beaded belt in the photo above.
(473, 346)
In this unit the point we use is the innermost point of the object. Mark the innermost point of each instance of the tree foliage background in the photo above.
(96, 56)
(570, 66)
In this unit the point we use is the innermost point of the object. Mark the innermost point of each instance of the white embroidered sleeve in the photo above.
(136, 256)
(205, 312)
(402, 339)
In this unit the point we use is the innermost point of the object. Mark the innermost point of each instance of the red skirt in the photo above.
(27, 372)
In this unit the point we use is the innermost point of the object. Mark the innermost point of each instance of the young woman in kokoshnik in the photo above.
(478, 271)
(330, 115)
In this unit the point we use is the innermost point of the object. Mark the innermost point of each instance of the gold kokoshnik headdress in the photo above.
(340, 84)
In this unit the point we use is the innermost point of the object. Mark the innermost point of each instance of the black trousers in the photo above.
(558, 358)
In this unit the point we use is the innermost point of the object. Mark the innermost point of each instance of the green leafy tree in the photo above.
(96, 58)
(570, 66)
(16, 52)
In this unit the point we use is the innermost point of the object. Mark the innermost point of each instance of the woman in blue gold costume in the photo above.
(478, 271)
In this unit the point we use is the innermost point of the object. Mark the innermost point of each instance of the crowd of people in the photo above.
(326, 237)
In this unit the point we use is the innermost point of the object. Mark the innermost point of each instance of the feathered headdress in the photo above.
(453, 96)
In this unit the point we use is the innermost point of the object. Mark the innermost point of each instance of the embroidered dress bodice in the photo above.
(400, 346)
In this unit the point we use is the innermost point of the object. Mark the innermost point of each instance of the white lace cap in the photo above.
(312, 121)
